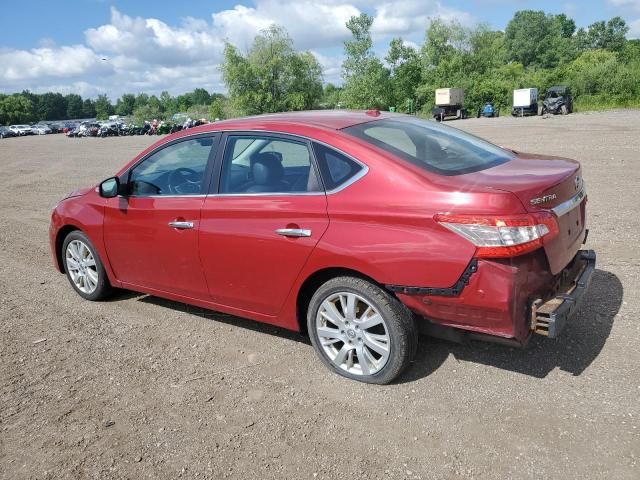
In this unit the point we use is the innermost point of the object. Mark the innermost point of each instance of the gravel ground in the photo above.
(140, 387)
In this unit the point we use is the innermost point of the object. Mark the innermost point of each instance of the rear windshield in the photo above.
(431, 145)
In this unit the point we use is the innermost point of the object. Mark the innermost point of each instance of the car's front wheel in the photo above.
(84, 268)
(361, 331)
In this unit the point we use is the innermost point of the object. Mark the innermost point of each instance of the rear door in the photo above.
(151, 234)
(268, 214)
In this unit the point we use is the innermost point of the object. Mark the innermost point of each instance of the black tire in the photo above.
(103, 288)
(398, 322)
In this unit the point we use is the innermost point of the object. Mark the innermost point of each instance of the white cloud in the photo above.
(134, 54)
(633, 7)
(407, 17)
(310, 23)
(634, 29)
(632, 4)
(152, 41)
(67, 61)
(331, 67)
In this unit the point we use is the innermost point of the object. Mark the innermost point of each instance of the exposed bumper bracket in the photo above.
(549, 317)
(453, 291)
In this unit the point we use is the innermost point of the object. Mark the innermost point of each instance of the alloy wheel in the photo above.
(353, 334)
(81, 266)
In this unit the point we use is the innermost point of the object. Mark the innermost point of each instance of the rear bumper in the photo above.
(496, 298)
(549, 317)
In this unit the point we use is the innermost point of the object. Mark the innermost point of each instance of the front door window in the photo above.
(178, 169)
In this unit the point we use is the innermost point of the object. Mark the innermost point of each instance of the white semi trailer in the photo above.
(449, 103)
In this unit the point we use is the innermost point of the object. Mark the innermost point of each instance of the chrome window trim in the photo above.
(195, 195)
(364, 170)
(351, 181)
(568, 205)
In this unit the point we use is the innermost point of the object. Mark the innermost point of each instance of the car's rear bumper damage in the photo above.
(507, 299)
(548, 317)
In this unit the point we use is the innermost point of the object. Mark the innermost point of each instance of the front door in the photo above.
(151, 234)
(258, 231)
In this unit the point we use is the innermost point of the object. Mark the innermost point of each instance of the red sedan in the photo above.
(360, 228)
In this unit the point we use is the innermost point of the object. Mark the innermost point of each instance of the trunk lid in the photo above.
(543, 183)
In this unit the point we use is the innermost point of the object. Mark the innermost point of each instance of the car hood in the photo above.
(78, 193)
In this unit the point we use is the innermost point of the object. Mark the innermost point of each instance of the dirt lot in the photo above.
(139, 387)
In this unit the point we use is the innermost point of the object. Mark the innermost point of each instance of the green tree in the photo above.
(306, 82)
(610, 35)
(103, 107)
(88, 108)
(16, 109)
(366, 80)
(74, 106)
(52, 106)
(169, 104)
(272, 77)
(538, 39)
(146, 113)
(200, 97)
(216, 110)
(406, 72)
(125, 104)
(142, 99)
(331, 96)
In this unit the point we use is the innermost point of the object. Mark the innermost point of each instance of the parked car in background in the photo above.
(69, 127)
(40, 129)
(55, 127)
(557, 100)
(21, 130)
(6, 132)
(358, 228)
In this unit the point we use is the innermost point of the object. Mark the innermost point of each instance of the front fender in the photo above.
(84, 213)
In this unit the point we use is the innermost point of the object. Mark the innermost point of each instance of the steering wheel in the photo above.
(183, 181)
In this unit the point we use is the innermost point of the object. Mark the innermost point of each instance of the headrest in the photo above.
(267, 168)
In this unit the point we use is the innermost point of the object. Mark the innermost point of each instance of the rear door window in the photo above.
(255, 164)
(336, 168)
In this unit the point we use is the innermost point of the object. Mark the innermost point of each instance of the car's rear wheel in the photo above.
(360, 331)
(84, 268)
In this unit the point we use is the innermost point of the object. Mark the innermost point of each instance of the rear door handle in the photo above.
(181, 225)
(293, 232)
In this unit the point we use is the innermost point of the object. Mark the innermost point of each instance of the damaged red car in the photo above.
(361, 229)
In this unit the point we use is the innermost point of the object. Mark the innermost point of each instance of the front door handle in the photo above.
(181, 225)
(293, 232)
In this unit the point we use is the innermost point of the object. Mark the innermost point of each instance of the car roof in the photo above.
(332, 119)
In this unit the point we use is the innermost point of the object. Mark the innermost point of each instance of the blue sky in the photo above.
(111, 46)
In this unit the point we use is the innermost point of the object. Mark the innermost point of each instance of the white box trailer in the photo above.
(525, 97)
(525, 102)
(447, 97)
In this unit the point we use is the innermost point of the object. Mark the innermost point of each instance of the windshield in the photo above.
(430, 145)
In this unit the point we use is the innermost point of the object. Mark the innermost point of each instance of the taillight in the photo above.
(502, 236)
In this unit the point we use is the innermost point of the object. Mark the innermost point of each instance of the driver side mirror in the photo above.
(110, 187)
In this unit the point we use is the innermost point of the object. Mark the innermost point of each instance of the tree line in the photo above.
(536, 49)
(28, 107)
